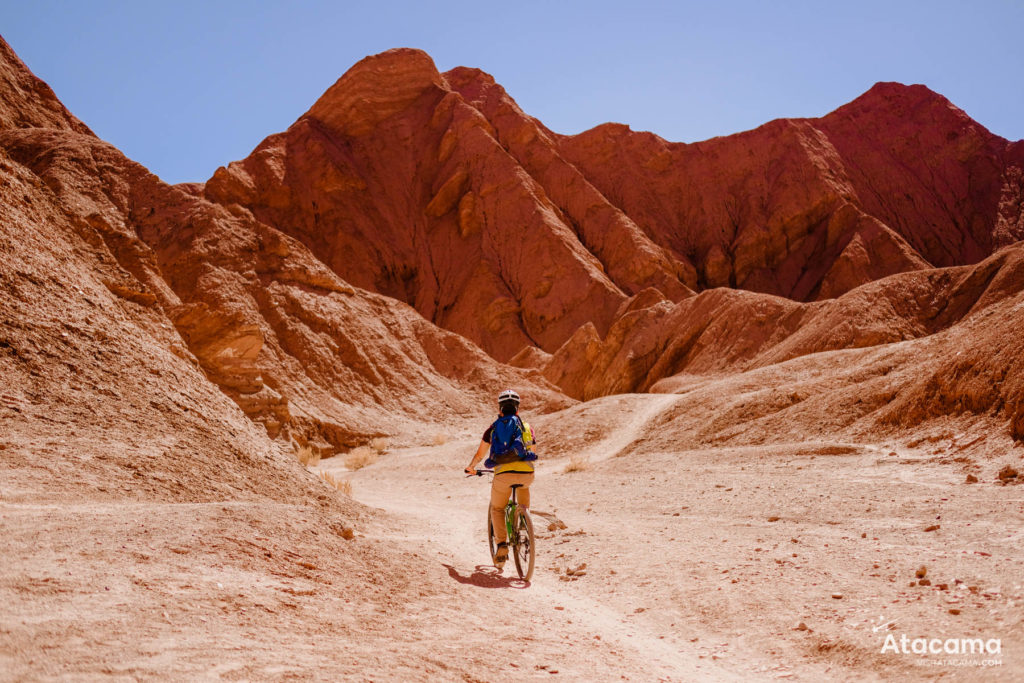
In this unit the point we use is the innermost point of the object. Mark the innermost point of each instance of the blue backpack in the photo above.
(507, 442)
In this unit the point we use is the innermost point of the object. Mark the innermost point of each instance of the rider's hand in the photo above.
(469, 470)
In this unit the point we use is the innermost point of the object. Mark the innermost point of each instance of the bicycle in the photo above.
(519, 531)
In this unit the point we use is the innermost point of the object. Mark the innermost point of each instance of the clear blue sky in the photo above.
(184, 87)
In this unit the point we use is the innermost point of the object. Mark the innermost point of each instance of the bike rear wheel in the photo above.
(523, 549)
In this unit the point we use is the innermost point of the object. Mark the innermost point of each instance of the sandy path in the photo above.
(701, 565)
(645, 408)
(445, 512)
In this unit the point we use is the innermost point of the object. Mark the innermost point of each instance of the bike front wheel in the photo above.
(492, 544)
(523, 549)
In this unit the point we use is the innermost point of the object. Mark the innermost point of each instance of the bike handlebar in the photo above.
(480, 473)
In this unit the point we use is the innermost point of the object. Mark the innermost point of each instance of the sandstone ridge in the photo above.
(300, 351)
(603, 262)
(451, 198)
(614, 259)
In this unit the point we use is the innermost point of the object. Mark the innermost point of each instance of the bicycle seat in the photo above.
(516, 486)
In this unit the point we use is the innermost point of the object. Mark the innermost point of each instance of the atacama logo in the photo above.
(939, 646)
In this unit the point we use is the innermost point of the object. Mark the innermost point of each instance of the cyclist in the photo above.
(513, 466)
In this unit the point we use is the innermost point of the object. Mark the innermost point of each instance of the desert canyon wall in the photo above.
(119, 286)
(415, 230)
(613, 259)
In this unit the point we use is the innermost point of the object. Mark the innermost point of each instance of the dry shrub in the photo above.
(360, 457)
(343, 485)
(380, 445)
(577, 464)
(306, 454)
(439, 439)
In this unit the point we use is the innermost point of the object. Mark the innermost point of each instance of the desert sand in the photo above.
(728, 563)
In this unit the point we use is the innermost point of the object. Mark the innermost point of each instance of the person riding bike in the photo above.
(507, 442)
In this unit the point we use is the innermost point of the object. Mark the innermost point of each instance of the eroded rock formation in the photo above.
(348, 273)
(298, 349)
(438, 190)
(725, 330)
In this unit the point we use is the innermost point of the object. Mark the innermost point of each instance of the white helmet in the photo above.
(508, 395)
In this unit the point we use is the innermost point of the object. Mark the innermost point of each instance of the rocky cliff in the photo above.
(414, 226)
(119, 284)
(897, 180)
(438, 190)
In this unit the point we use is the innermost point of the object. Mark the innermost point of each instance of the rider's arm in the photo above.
(480, 453)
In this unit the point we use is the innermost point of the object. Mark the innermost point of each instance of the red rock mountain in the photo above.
(349, 272)
(131, 287)
(403, 184)
(438, 190)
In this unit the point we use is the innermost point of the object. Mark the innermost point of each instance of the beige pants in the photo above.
(501, 492)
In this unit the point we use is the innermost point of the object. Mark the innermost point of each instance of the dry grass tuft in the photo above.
(439, 439)
(306, 455)
(343, 485)
(358, 458)
(577, 464)
(380, 445)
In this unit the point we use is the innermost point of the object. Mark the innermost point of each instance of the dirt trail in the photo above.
(703, 565)
(443, 512)
(598, 639)
(646, 407)
(770, 562)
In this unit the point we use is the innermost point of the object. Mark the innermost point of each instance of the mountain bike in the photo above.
(519, 531)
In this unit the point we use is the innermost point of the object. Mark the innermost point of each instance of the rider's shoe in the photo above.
(500, 555)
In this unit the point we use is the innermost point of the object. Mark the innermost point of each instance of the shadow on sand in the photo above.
(486, 576)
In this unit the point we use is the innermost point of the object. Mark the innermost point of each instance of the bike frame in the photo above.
(511, 529)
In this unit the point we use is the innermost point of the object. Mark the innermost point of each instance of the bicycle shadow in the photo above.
(486, 576)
